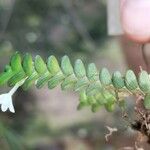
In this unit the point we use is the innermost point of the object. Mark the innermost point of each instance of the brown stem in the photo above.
(144, 55)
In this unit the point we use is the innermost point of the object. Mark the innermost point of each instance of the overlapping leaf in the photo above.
(96, 88)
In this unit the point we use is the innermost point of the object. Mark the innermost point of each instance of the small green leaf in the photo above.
(52, 65)
(110, 107)
(131, 80)
(15, 62)
(82, 105)
(108, 95)
(83, 100)
(144, 81)
(100, 98)
(95, 107)
(92, 72)
(110, 98)
(6, 75)
(91, 100)
(83, 96)
(79, 69)
(105, 77)
(27, 64)
(40, 66)
(117, 80)
(66, 66)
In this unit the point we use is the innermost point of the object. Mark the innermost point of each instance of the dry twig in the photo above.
(111, 130)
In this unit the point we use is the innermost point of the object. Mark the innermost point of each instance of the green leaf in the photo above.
(144, 81)
(100, 98)
(92, 72)
(40, 65)
(111, 101)
(91, 100)
(52, 65)
(15, 62)
(105, 76)
(66, 66)
(117, 80)
(96, 88)
(131, 80)
(95, 107)
(27, 64)
(83, 100)
(6, 75)
(110, 107)
(109, 97)
(79, 69)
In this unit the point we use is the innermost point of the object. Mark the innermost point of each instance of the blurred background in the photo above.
(49, 120)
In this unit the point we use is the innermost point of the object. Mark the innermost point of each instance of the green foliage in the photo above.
(144, 81)
(12, 140)
(118, 81)
(131, 81)
(95, 88)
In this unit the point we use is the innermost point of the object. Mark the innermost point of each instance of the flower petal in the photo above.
(6, 99)
(4, 107)
(11, 107)
(2, 98)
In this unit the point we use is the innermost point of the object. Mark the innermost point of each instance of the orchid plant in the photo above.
(96, 88)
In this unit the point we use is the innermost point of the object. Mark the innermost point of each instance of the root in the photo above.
(111, 130)
(142, 123)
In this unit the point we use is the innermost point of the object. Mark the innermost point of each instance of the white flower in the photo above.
(6, 99)
(6, 102)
